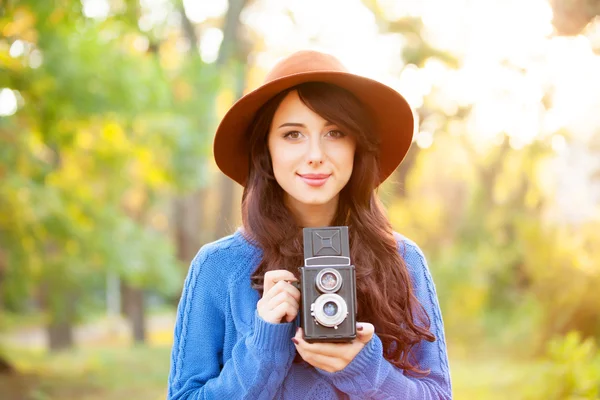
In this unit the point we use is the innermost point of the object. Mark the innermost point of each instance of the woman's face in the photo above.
(312, 158)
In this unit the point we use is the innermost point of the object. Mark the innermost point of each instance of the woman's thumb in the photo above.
(364, 332)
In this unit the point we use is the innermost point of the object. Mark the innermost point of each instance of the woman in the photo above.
(310, 146)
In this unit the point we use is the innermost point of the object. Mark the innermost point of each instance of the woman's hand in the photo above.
(280, 300)
(333, 357)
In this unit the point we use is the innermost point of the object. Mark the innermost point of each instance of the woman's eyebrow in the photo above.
(296, 124)
(299, 125)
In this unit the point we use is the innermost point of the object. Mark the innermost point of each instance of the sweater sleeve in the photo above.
(259, 359)
(371, 376)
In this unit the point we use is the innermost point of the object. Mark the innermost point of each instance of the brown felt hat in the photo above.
(391, 114)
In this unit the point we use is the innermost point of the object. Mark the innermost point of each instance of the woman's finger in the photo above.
(279, 287)
(272, 277)
(280, 298)
(284, 310)
(337, 350)
(364, 332)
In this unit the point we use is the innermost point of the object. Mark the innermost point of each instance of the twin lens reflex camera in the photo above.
(328, 286)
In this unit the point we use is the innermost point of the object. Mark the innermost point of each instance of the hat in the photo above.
(392, 117)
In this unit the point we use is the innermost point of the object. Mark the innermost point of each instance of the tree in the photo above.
(233, 56)
(92, 121)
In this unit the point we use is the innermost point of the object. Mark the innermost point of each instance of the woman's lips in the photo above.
(315, 179)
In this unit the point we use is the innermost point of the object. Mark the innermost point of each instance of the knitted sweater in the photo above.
(224, 350)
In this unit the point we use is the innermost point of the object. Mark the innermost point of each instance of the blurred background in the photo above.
(108, 187)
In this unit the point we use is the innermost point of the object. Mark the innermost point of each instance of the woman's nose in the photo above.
(315, 151)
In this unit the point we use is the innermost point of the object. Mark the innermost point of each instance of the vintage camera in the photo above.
(328, 286)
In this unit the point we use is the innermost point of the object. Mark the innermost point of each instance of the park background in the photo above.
(108, 187)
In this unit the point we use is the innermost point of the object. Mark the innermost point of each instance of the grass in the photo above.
(113, 368)
(140, 372)
(494, 378)
(104, 369)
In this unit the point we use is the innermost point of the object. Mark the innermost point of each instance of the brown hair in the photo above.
(384, 290)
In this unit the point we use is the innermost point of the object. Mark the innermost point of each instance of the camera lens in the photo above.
(329, 310)
(329, 280)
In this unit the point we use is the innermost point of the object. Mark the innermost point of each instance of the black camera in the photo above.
(328, 286)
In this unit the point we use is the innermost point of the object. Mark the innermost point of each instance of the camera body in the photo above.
(328, 286)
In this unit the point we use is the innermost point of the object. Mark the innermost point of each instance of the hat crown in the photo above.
(305, 61)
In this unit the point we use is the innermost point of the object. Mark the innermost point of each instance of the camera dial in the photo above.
(329, 310)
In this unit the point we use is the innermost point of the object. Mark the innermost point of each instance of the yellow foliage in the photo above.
(22, 25)
(254, 78)
(28, 243)
(182, 90)
(159, 221)
(170, 56)
(71, 170)
(143, 156)
(57, 15)
(162, 337)
(155, 177)
(472, 300)
(71, 247)
(225, 99)
(134, 198)
(114, 136)
(8, 62)
(38, 147)
(79, 217)
(418, 219)
(84, 139)
(43, 85)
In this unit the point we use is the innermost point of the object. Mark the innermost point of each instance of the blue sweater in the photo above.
(224, 350)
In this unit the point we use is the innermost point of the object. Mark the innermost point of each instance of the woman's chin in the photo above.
(314, 201)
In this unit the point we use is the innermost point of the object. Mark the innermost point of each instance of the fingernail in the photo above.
(295, 340)
(359, 328)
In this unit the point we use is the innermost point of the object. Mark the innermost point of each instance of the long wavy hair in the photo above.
(384, 291)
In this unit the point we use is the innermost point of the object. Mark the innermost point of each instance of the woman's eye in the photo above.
(292, 135)
(336, 134)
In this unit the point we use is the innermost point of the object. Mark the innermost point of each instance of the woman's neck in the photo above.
(312, 215)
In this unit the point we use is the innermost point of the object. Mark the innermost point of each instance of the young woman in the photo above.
(310, 146)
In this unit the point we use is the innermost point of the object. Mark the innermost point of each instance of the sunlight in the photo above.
(200, 11)
(8, 102)
(17, 49)
(210, 43)
(98, 9)
(154, 12)
(352, 36)
(504, 72)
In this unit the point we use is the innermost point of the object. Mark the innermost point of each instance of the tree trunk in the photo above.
(59, 303)
(188, 213)
(60, 335)
(135, 310)
(232, 46)
(5, 366)
(62, 314)
(233, 53)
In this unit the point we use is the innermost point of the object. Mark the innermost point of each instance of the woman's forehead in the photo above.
(292, 110)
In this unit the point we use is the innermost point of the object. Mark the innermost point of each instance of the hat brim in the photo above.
(392, 116)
